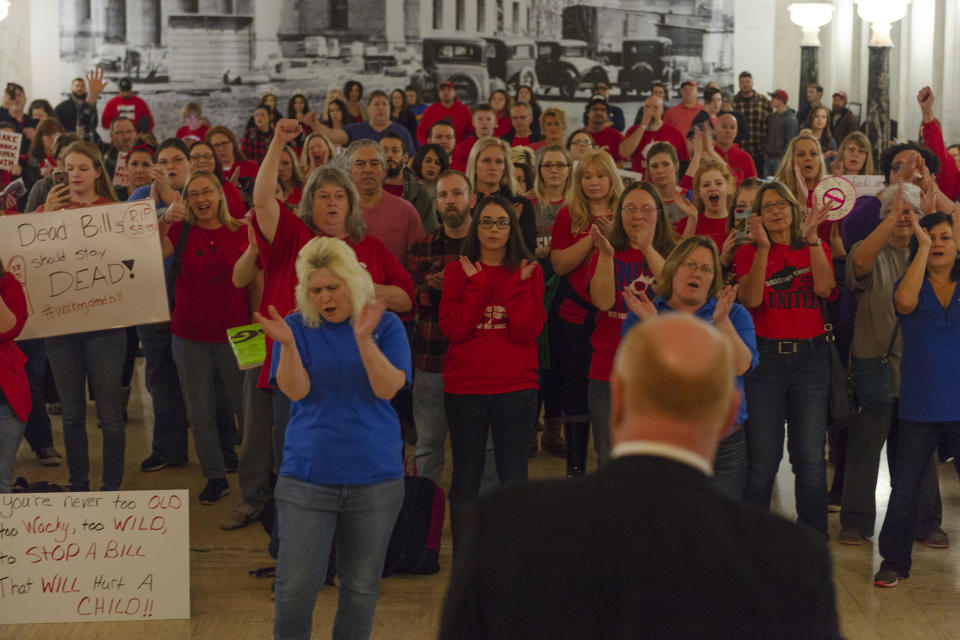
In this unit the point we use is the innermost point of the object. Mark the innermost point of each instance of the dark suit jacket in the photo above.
(644, 548)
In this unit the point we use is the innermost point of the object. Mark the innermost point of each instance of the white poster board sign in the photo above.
(9, 149)
(866, 185)
(629, 177)
(94, 557)
(87, 269)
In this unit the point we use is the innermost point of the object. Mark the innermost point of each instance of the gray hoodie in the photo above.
(781, 129)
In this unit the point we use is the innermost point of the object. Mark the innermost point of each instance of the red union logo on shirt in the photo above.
(493, 318)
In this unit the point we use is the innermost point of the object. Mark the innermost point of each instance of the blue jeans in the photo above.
(97, 356)
(38, 432)
(916, 444)
(11, 431)
(598, 400)
(198, 364)
(360, 518)
(730, 465)
(163, 384)
(793, 389)
(430, 416)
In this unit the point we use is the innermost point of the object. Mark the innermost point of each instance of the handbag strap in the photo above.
(827, 325)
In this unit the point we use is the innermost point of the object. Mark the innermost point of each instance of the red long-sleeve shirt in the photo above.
(132, 108)
(13, 375)
(948, 179)
(458, 114)
(493, 320)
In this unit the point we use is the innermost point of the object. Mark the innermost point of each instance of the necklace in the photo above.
(211, 248)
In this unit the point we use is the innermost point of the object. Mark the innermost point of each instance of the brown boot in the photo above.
(552, 439)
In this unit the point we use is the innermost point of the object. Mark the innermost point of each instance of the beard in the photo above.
(453, 218)
(79, 97)
(393, 170)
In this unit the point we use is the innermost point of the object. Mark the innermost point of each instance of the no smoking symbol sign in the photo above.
(838, 194)
(835, 198)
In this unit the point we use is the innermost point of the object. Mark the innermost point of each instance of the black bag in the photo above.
(871, 378)
(415, 542)
(843, 404)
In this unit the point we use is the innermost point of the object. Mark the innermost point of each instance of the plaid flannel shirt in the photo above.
(755, 110)
(255, 143)
(426, 256)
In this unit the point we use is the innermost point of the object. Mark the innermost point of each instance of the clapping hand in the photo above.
(923, 237)
(802, 191)
(813, 218)
(605, 223)
(600, 242)
(725, 302)
(367, 320)
(470, 268)
(275, 327)
(757, 233)
(639, 303)
(527, 268)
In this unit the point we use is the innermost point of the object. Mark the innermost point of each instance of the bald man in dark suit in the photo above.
(645, 547)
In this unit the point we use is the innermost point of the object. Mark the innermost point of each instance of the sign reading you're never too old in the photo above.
(87, 269)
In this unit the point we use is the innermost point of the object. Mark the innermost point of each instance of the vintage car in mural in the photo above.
(647, 61)
(475, 66)
(564, 64)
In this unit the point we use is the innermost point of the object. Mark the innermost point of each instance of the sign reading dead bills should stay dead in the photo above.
(87, 269)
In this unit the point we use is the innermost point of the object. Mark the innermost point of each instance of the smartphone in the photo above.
(741, 221)
(59, 177)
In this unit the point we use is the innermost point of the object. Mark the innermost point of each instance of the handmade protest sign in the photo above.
(866, 185)
(87, 269)
(9, 149)
(249, 345)
(113, 555)
(838, 194)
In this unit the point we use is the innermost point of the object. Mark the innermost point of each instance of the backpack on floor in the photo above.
(415, 542)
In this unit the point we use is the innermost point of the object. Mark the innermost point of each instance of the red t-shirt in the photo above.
(680, 116)
(740, 163)
(520, 142)
(609, 140)
(190, 136)
(630, 271)
(503, 126)
(77, 205)
(235, 204)
(246, 169)
(666, 133)
(461, 152)
(790, 309)
(13, 374)
(458, 114)
(207, 303)
(493, 320)
(280, 273)
(579, 278)
(713, 228)
(395, 189)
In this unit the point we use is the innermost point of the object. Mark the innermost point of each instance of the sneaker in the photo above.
(887, 578)
(214, 492)
(241, 516)
(49, 457)
(153, 463)
(849, 535)
(936, 539)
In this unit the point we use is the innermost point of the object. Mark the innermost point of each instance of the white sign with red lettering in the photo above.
(94, 557)
(87, 269)
(9, 149)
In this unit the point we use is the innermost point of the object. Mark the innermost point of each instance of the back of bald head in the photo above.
(676, 367)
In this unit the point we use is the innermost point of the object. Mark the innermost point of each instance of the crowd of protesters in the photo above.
(425, 269)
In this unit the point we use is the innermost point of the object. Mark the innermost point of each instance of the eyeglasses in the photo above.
(582, 143)
(206, 193)
(550, 166)
(487, 223)
(705, 269)
(647, 209)
(779, 205)
(201, 156)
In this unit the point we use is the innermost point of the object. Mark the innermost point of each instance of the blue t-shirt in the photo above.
(341, 433)
(930, 366)
(741, 320)
(363, 131)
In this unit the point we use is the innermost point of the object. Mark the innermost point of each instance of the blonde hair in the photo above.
(860, 139)
(785, 173)
(554, 112)
(102, 185)
(296, 176)
(664, 285)
(191, 107)
(507, 179)
(724, 171)
(339, 259)
(538, 186)
(305, 160)
(223, 215)
(577, 201)
(522, 155)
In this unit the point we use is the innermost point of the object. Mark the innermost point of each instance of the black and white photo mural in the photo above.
(226, 53)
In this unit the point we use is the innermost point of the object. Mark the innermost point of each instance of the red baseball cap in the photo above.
(445, 83)
(686, 82)
(779, 94)
(841, 94)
